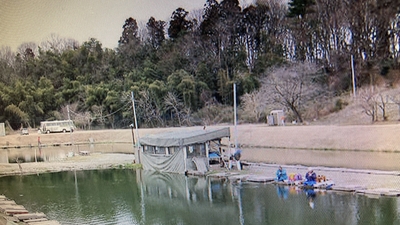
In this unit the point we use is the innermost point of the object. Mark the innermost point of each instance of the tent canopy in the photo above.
(185, 137)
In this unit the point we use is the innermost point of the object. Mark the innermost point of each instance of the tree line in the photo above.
(181, 71)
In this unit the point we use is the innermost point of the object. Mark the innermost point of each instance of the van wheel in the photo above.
(48, 132)
(64, 131)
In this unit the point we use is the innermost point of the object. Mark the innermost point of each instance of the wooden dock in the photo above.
(325, 185)
(260, 179)
(12, 213)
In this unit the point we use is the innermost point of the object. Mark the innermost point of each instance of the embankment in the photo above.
(354, 137)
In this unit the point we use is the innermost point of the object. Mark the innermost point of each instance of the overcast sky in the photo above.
(35, 20)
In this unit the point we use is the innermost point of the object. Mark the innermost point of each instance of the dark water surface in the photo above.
(140, 197)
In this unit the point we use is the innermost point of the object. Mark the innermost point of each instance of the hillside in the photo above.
(353, 112)
(349, 128)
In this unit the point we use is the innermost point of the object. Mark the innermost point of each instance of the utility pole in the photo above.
(133, 135)
(353, 76)
(235, 115)
(136, 125)
(137, 150)
(70, 130)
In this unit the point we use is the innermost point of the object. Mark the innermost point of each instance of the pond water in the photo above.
(55, 153)
(329, 158)
(142, 197)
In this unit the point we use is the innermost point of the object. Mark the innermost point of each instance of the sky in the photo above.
(23, 21)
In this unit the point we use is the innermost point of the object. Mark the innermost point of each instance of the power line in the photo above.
(104, 116)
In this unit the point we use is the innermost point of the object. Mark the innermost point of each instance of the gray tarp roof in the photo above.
(185, 137)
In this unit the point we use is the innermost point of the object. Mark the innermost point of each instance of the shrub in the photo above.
(339, 105)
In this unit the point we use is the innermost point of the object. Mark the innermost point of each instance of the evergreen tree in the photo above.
(130, 32)
(299, 8)
(155, 29)
(179, 25)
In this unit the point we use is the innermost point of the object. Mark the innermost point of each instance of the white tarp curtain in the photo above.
(184, 138)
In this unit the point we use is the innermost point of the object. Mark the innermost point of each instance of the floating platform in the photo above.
(328, 184)
(239, 177)
(13, 213)
(349, 188)
(380, 192)
(260, 179)
(299, 183)
(223, 174)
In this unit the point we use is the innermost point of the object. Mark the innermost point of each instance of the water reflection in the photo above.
(328, 158)
(283, 191)
(311, 194)
(177, 199)
(346, 159)
(55, 153)
(143, 197)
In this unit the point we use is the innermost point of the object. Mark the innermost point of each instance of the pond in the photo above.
(376, 160)
(141, 197)
(56, 153)
(329, 158)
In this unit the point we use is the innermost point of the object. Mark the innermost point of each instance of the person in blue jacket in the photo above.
(311, 178)
(281, 174)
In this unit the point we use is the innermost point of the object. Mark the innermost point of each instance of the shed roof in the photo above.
(185, 137)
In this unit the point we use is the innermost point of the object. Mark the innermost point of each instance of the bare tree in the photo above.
(186, 116)
(196, 16)
(382, 102)
(147, 110)
(374, 99)
(396, 100)
(293, 85)
(7, 62)
(27, 50)
(181, 112)
(142, 32)
(84, 120)
(253, 105)
(59, 44)
(368, 102)
(98, 113)
(7, 56)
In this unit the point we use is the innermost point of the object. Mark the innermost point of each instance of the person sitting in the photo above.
(311, 178)
(281, 174)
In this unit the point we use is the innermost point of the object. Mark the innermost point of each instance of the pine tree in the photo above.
(298, 8)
